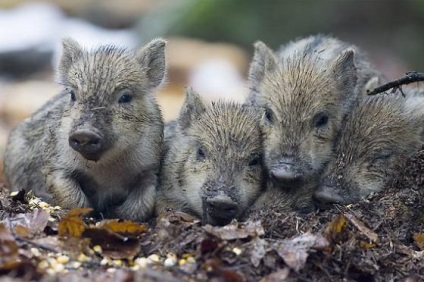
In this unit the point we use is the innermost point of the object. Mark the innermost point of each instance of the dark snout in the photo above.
(220, 210)
(88, 143)
(326, 195)
(285, 171)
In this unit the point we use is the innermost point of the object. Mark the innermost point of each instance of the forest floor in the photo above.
(379, 239)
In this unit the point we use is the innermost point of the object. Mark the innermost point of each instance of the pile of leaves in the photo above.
(379, 239)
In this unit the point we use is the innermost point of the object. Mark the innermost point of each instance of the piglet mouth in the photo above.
(285, 175)
(219, 210)
(285, 171)
(216, 221)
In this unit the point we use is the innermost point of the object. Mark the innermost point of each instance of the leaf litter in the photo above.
(378, 239)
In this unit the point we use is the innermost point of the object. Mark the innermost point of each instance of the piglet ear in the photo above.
(72, 51)
(191, 109)
(264, 60)
(152, 60)
(344, 71)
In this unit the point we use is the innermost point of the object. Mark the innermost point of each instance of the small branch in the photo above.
(409, 77)
(40, 246)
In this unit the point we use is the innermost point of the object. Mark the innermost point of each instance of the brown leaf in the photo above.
(113, 245)
(29, 224)
(232, 276)
(124, 227)
(22, 231)
(24, 269)
(365, 245)
(214, 267)
(72, 224)
(335, 230)
(294, 251)
(208, 245)
(8, 247)
(279, 275)
(338, 224)
(419, 240)
(182, 216)
(362, 228)
(233, 231)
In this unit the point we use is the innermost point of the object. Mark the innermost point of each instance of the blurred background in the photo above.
(210, 41)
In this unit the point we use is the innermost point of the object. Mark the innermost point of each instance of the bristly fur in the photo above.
(229, 138)
(122, 182)
(377, 138)
(318, 76)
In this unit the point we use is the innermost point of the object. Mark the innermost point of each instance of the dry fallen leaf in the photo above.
(366, 246)
(124, 227)
(22, 231)
(177, 216)
(72, 224)
(362, 228)
(113, 245)
(338, 224)
(278, 276)
(258, 251)
(8, 247)
(419, 240)
(117, 239)
(234, 231)
(29, 224)
(208, 245)
(294, 251)
(335, 230)
(215, 268)
(24, 269)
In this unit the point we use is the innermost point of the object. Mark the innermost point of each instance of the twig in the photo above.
(409, 77)
(29, 242)
(324, 271)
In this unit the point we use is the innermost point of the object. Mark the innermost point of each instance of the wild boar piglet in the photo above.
(99, 142)
(378, 137)
(306, 90)
(213, 162)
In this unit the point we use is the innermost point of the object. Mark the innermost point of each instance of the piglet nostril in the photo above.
(89, 144)
(94, 142)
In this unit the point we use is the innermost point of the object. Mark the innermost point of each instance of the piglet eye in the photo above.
(383, 156)
(73, 95)
(254, 161)
(320, 120)
(269, 115)
(200, 154)
(126, 97)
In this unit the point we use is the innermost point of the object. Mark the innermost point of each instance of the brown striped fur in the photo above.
(378, 137)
